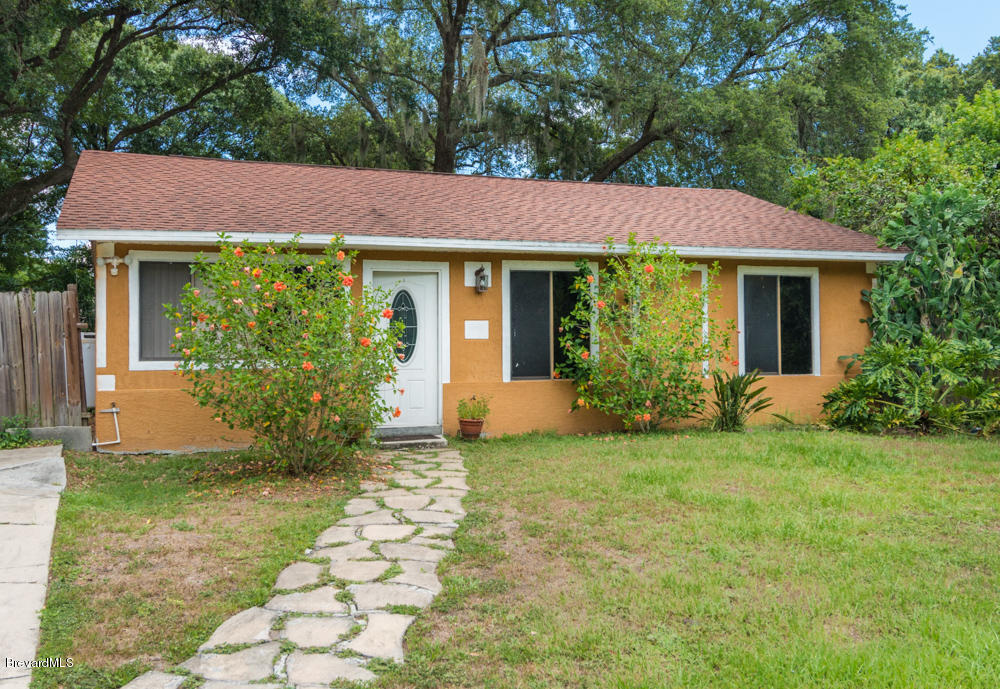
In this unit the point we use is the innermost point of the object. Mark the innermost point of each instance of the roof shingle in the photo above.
(124, 191)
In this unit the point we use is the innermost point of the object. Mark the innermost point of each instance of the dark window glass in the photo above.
(405, 312)
(760, 327)
(530, 325)
(796, 325)
(159, 284)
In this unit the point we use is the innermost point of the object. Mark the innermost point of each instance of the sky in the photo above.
(960, 27)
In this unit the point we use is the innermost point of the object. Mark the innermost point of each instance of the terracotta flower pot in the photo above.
(471, 428)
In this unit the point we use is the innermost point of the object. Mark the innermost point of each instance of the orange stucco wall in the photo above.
(156, 413)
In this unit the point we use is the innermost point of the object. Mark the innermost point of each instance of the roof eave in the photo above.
(199, 237)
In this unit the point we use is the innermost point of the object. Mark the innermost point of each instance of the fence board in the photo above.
(8, 384)
(25, 317)
(58, 344)
(41, 371)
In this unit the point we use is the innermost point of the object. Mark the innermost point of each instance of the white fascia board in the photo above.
(476, 245)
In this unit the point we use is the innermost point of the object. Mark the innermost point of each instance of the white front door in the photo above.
(414, 300)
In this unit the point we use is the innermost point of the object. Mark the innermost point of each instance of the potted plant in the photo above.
(472, 414)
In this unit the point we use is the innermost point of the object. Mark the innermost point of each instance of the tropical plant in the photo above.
(734, 401)
(474, 408)
(278, 344)
(655, 340)
(930, 385)
(948, 284)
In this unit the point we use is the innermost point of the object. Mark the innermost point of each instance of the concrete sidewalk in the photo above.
(30, 482)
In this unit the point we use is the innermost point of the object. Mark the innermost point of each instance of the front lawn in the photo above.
(770, 559)
(152, 552)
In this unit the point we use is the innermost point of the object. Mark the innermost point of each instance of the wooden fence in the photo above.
(41, 369)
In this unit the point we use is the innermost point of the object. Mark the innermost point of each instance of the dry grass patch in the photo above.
(152, 552)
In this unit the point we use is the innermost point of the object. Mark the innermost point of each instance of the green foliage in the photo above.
(930, 385)
(948, 284)
(274, 341)
(474, 407)
(734, 401)
(14, 431)
(864, 194)
(53, 271)
(649, 322)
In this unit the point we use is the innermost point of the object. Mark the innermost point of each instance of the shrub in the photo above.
(474, 408)
(934, 385)
(14, 432)
(734, 401)
(654, 342)
(948, 282)
(273, 340)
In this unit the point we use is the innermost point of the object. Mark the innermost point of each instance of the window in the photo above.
(404, 310)
(778, 322)
(159, 283)
(538, 301)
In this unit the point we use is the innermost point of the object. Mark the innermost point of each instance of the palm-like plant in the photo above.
(734, 401)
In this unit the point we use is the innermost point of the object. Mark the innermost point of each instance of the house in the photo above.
(792, 282)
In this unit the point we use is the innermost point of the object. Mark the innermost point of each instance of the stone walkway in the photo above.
(352, 597)
(30, 482)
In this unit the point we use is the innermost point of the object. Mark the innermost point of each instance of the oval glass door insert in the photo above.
(405, 312)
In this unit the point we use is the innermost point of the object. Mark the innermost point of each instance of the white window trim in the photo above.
(133, 260)
(369, 267)
(811, 272)
(505, 268)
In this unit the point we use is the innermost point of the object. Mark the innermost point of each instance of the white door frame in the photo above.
(369, 267)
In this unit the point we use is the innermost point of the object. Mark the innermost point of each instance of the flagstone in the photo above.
(250, 626)
(437, 530)
(323, 669)
(441, 492)
(360, 506)
(406, 502)
(383, 637)
(378, 595)
(417, 573)
(299, 574)
(432, 542)
(150, 680)
(359, 550)
(321, 600)
(457, 482)
(429, 516)
(307, 632)
(379, 517)
(359, 570)
(415, 482)
(335, 535)
(407, 551)
(387, 532)
(447, 504)
(254, 663)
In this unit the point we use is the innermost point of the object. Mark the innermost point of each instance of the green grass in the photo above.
(768, 559)
(151, 553)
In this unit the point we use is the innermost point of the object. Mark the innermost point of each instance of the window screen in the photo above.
(159, 284)
(796, 325)
(777, 329)
(539, 300)
(760, 313)
(530, 325)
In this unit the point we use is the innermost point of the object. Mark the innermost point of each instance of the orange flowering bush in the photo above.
(645, 312)
(274, 342)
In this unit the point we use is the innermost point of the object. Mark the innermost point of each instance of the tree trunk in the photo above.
(445, 138)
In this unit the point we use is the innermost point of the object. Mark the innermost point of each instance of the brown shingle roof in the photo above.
(123, 191)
